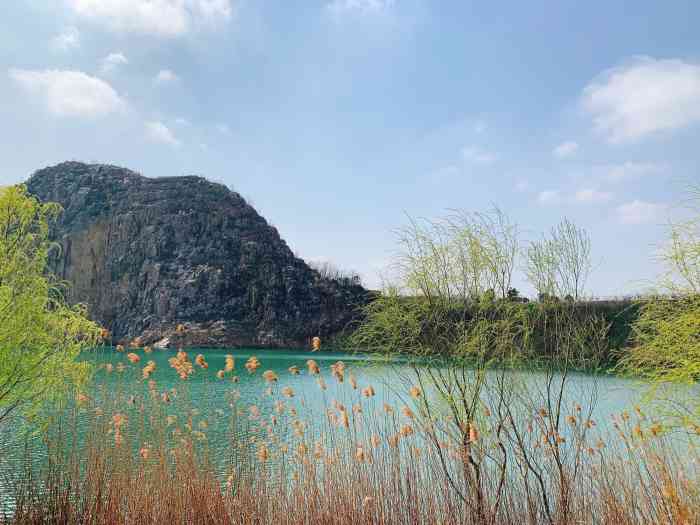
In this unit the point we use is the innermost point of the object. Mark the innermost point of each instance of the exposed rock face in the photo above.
(148, 254)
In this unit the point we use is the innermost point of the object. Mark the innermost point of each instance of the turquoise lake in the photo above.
(211, 397)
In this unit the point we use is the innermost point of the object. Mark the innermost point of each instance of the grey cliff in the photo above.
(147, 254)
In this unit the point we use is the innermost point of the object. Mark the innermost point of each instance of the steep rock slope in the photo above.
(148, 254)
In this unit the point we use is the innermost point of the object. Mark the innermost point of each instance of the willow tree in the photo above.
(559, 264)
(666, 335)
(459, 257)
(40, 334)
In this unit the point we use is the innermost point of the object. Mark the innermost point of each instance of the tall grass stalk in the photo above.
(145, 459)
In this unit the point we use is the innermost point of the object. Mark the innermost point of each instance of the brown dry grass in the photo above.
(365, 466)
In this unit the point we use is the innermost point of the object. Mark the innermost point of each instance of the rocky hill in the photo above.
(148, 254)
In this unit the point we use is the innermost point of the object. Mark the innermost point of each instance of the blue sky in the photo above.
(336, 118)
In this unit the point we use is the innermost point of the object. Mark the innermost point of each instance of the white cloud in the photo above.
(361, 6)
(69, 93)
(113, 61)
(156, 17)
(182, 121)
(478, 156)
(565, 149)
(639, 212)
(592, 195)
(165, 76)
(632, 170)
(644, 97)
(159, 132)
(548, 197)
(67, 40)
(223, 129)
(479, 127)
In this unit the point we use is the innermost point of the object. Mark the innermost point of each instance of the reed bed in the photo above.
(146, 459)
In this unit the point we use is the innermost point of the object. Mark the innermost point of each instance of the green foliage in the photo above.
(393, 324)
(461, 256)
(454, 298)
(496, 331)
(666, 338)
(40, 335)
(570, 335)
(417, 327)
(666, 334)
